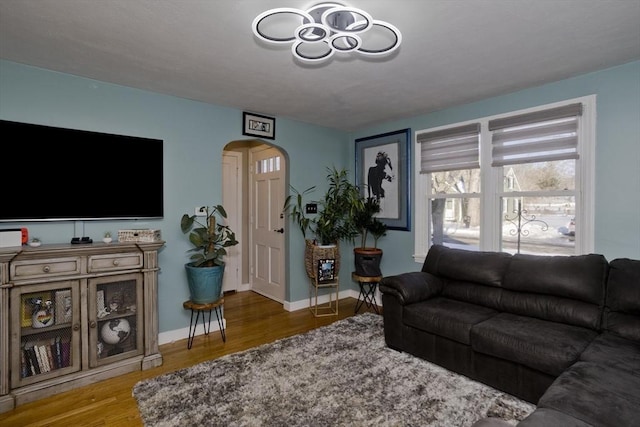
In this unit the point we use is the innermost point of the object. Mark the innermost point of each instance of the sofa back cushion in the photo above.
(622, 306)
(486, 268)
(568, 289)
(469, 276)
(487, 296)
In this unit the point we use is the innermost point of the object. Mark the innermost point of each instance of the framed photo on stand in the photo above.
(326, 270)
(383, 168)
(64, 307)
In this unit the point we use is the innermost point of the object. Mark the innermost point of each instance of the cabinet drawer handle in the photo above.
(76, 327)
(116, 262)
(46, 269)
(92, 324)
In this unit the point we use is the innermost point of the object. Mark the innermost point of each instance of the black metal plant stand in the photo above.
(368, 286)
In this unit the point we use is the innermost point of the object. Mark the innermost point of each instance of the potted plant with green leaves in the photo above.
(333, 221)
(367, 259)
(210, 239)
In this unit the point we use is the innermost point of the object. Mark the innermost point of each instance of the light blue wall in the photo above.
(617, 198)
(194, 135)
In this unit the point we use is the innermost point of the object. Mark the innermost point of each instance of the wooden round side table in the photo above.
(200, 309)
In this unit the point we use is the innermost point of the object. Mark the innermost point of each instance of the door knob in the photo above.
(280, 230)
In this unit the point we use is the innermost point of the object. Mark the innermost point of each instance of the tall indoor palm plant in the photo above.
(332, 223)
(334, 219)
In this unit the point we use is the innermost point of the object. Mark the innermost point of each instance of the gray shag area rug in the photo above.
(337, 375)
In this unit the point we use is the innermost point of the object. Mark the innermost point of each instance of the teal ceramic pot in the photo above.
(205, 283)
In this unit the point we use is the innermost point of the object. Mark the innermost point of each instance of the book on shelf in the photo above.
(66, 353)
(31, 370)
(45, 356)
(44, 360)
(25, 369)
(51, 360)
(41, 357)
(58, 352)
(39, 361)
(33, 360)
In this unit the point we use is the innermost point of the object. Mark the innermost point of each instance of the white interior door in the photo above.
(232, 202)
(267, 222)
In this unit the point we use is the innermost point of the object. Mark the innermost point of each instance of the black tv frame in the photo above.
(59, 174)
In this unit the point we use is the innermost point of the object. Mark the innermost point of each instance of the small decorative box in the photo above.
(147, 235)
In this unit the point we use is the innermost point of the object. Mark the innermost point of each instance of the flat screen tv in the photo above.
(56, 174)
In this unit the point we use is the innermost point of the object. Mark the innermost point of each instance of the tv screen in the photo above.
(56, 174)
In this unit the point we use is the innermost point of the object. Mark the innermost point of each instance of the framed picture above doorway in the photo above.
(258, 125)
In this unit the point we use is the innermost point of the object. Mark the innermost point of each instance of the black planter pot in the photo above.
(367, 261)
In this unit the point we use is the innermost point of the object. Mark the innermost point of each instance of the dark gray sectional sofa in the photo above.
(562, 332)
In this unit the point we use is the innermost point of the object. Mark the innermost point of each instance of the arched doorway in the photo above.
(255, 195)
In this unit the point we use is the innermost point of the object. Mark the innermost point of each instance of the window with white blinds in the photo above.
(540, 136)
(521, 182)
(450, 149)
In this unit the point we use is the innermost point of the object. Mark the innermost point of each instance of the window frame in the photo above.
(491, 183)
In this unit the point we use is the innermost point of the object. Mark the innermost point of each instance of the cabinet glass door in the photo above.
(115, 318)
(45, 331)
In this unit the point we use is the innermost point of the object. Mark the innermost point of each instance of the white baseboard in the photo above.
(183, 333)
(244, 287)
(322, 299)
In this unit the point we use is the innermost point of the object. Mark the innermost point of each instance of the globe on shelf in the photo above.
(115, 331)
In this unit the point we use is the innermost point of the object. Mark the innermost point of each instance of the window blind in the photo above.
(536, 137)
(450, 149)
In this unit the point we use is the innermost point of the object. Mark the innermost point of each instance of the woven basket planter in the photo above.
(314, 253)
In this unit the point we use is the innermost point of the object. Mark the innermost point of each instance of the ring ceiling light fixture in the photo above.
(326, 28)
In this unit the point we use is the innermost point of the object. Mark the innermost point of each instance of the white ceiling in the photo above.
(453, 52)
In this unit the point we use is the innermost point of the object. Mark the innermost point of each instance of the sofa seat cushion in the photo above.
(446, 317)
(597, 394)
(612, 350)
(544, 417)
(546, 346)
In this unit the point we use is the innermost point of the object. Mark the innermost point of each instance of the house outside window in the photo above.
(521, 182)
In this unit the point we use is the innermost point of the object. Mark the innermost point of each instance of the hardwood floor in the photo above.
(251, 320)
